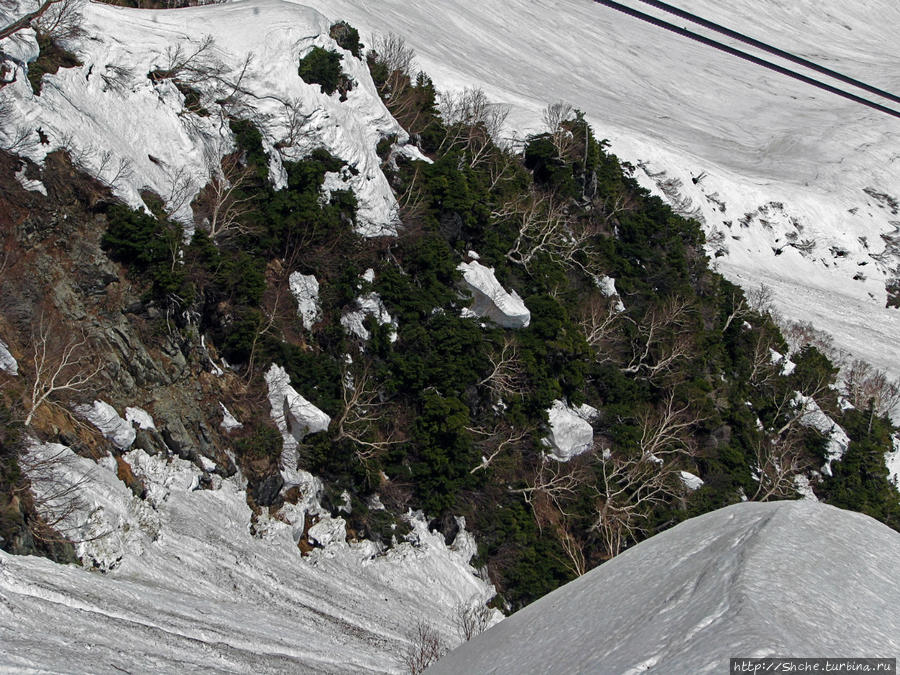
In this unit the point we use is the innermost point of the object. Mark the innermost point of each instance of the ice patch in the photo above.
(369, 304)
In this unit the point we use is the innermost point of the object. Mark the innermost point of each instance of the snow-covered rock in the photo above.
(229, 422)
(29, 183)
(792, 578)
(892, 459)
(305, 289)
(369, 304)
(103, 416)
(135, 134)
(690, 481)
(813, 416)
(7, 363)
(608, 286)
(295, 417)
(491, 301)
(140, 417)
(571, 433)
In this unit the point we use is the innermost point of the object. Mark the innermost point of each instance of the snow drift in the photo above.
(749, 580)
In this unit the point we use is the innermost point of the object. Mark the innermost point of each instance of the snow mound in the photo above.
(491, 301)
(571, 433)
(750, 580)
(103, 416)
(133, 133)
(305, 289)
(8, 364)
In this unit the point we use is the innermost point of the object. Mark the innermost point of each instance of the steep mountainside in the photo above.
(800, 187)
(751, 580)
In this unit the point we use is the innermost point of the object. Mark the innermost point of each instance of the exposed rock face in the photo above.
(570, 431)
(491, 301)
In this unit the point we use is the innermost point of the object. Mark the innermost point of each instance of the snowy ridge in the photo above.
(789, 177)
(135, 134)
(187, 584)
(749, 580)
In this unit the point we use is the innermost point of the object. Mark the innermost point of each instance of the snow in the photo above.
(682, 109)
(139, 417)
(369, 304)
(690, 481)
(491, 301)
(103, 416)
(187, 586)
(29, 183)
(229, 422)
(793, 578)
(571, 433)
(133, 134)
(892, 459)
(295, 417)
(813, 416)
(8, 364)
(608, 286)
(305, 289)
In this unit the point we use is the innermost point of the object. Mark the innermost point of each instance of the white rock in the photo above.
(570, 433)
(7, 363)
(491, 301)
(103, 416)
(305, 289)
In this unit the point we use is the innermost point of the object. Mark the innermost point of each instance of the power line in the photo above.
(684, 32)
(769, 48)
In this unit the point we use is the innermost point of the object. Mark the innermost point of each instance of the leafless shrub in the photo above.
(60, 366)
(507, 377)
(425, 647)
(663, 338)
(473, 124)
(222, 204)
(61, 21)
(471, 618)
(778, 462)
(554, 117)
(866, 386)
(117, 78)
(760, 299)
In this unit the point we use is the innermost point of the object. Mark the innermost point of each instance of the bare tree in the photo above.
(61, 21)
(545, 228)
(473, 124)
(598, 320)
(471, 618)
(507, 376)
(224, 203)
(553, 483)
(778, 462)
(630, 488)
(30, 19)
(864, 385)
(425, 647)
(555, 116)
(663, 338)
(59, 367)
(497, 440)
(666, 430)
(362, 417)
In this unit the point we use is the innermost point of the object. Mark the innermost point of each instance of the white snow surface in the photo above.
(691, 481)
(133, 134)
(785, 163)
(571, 433)
(229, 422)
(750, 580)
(187, 587)
(8, 363)
(491, 301)
(305, 289)
(103, 416)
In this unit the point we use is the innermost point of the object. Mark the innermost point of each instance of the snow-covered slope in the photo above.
(785, 163)
(134, 133)
(193, 582)
(751, 580)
